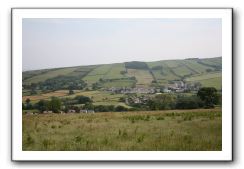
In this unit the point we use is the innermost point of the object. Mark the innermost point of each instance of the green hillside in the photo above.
(146, 74)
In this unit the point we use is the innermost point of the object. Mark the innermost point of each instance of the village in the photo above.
(132, 96)
(175, 87)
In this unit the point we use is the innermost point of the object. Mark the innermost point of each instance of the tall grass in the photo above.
(188, 130)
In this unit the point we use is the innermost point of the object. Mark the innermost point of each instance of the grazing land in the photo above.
(172, 130)
(143, 77)
(144, 73)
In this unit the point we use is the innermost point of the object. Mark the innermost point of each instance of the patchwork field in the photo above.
(174, 130)
(117, 74)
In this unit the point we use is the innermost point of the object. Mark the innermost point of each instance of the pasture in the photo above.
(143, 77)
(119, 83)
(208, 80)
(50, 74)
(172, 130)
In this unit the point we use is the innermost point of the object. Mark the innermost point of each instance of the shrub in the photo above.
(121, 108)
(190, 102)
(140, 138)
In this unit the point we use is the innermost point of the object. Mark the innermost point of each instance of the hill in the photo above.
(129, 74)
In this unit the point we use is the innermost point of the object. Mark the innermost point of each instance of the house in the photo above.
(61, 112)
(83, 111)
(167, 91)
(47, 112)
(71, 111)
(90, 111)
(179, 90)
(28, 113)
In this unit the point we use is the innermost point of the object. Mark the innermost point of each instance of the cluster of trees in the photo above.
(63, 82)
(206, 97)
(58, 83)
(136, 65)
(54, 105)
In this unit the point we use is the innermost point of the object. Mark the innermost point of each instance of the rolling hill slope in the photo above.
(207, 71)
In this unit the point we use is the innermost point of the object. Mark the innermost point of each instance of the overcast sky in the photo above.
(50, 43)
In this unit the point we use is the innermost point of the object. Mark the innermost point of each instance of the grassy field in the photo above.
(119, 83)
(143, 77)
(98, 97)
(208, 80)
(50, 74)
(174, 130)
(213, 82)
(194, 65)
(182, 70)
(46, 96)
(115, 72)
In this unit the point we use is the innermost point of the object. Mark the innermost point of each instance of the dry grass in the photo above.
(186, 130)
(46, 96)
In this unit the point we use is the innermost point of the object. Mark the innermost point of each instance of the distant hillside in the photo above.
(159, 73)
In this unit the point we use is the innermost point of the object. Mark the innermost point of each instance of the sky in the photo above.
(52, 43)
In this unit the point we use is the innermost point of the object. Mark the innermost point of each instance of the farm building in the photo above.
(71, 111)
(47, 112)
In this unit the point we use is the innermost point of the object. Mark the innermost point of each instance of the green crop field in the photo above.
(174, 130)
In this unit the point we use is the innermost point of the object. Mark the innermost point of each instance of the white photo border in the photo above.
(227, 92)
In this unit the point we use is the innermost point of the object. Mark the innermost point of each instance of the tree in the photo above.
(188, 102)
(28, 104)
(33, 92)
(120, 108)
(83, 99)
(27, 101)
(89, 106)
(42, 105)
(121, 99)
(209, 96)
(162, 102)
(71, 92)
(23, 106)
(55, 104)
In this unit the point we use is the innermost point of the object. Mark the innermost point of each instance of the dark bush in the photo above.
(188, 102)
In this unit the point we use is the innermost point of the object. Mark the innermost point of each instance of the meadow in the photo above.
(168, 130)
